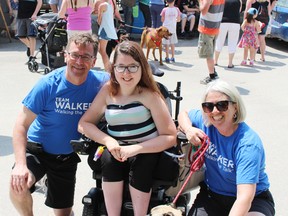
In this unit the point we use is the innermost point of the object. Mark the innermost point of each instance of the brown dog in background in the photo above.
(152, 38)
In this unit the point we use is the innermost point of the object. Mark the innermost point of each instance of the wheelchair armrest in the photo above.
(83, 145)
(79, 147)
(181, 136)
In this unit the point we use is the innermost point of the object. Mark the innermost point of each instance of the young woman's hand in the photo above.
(128, 151)
(114, 149)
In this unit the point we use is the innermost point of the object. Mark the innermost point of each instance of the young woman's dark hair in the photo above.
(249, 17)
(134, 50)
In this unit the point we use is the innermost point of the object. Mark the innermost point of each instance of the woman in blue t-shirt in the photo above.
(235, 179)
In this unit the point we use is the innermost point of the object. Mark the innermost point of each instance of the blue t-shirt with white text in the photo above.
(233, 160)
(59, 106)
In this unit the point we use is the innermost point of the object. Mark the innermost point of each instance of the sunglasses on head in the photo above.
(221, 106)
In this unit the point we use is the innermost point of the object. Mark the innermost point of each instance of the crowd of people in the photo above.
(196, 17)
(139, 130)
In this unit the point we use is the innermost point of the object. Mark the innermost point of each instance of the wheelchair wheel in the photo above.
(46, 70)
(89, 210)
(30, 66)
(35, 66)
(94, 204)
(94, 210)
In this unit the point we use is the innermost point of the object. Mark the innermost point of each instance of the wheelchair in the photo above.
(93, 201)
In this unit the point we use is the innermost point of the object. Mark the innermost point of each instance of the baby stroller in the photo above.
(53, 36)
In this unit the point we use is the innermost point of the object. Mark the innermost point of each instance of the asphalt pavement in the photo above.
(263, 88)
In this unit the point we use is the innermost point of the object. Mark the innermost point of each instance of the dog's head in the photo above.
(163, 32)
(165, 210)
(122, 35)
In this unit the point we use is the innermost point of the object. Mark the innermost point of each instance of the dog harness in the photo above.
(156, 40)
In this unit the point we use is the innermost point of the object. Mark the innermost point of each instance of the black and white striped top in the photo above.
(130, 122)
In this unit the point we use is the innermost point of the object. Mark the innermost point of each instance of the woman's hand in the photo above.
(114, 149)
(122, 153)
(195, 135)
(128, 151)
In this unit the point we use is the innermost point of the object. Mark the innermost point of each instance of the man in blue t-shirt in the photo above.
(46, 124)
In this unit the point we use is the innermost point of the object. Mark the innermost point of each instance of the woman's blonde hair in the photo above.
(232, 94)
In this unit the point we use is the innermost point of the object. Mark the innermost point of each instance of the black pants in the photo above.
(146, 13)
(213, 204)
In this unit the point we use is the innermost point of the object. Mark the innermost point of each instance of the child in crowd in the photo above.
(79, 15)
(248, 41)
(106, 30)
(170, 16)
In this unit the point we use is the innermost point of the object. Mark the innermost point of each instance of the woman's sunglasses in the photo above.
(221, 106)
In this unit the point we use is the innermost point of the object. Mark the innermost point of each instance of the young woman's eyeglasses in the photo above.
(130, 68)
(76, 56)
(221, 106)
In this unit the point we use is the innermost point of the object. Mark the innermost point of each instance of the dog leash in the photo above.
(198, 161)
(141, 28)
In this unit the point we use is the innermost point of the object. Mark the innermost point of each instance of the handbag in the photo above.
(184, 169)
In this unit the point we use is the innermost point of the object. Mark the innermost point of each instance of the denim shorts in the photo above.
(263, 30)
(189, 17)
(26, 28)
(103, 35)
(206, 45)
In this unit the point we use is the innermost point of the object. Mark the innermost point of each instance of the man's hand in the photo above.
(21, 178)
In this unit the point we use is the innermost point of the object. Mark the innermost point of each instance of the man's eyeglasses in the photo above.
(130, 68)
(221, 106)
(76, 56)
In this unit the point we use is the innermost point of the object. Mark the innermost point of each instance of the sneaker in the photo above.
(251, 63)
(182, 35)
(31, 58)
(172, 60)
(190, 34)
(209, 79)
(244, 62)
(167, 60)
(28, 52)
(230, 66)
(258, 51)
(215, 75)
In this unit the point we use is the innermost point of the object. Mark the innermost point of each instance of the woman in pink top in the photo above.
(79, 15)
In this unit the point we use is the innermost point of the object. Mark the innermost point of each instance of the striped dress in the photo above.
(130, 122)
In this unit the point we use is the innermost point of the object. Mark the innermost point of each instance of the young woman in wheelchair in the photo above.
(138, 117)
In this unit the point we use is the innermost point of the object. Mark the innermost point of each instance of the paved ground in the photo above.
(264, 89)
